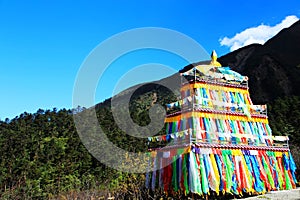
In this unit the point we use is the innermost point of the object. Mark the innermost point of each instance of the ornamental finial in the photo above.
(214, 61)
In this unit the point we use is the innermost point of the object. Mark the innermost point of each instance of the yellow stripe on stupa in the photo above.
(215, 116)
(214, 87)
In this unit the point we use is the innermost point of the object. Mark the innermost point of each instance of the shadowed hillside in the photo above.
(273, 68)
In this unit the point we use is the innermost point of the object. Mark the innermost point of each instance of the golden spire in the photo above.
(214, 61)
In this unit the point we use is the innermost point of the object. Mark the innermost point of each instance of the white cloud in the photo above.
(259, 34)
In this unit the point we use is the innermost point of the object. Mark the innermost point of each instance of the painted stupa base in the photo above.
(232, 169)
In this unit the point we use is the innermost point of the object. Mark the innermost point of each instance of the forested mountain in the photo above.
(43, 157)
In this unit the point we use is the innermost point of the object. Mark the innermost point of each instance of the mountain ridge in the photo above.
(273, 68)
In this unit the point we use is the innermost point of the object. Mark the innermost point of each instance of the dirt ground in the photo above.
(279, 195)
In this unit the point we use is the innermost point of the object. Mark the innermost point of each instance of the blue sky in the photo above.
(44, 43)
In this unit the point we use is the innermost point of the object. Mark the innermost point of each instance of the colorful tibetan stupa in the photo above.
(218, 141)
